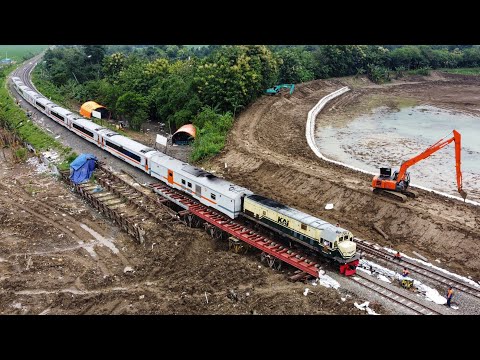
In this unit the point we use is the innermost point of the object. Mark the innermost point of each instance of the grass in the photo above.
(463, 71)
(20, 52)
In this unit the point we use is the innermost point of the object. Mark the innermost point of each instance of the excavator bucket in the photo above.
(463, 194)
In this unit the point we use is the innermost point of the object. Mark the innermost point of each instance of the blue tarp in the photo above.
(82, 168)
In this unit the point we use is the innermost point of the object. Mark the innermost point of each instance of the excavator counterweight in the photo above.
(396, 185)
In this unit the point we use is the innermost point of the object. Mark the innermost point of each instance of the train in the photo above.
(319, 236)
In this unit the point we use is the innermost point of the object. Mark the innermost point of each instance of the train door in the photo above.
(198, 190)
(170, 176)
(146, 164)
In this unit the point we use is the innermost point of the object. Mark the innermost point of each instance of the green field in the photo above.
(17, 52)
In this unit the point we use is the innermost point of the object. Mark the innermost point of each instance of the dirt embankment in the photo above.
(58, 256)
(268, 153)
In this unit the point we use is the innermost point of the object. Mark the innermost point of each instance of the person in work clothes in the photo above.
(449, 295)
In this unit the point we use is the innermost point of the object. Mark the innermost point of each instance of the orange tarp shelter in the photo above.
(184, 134)
(87, 108)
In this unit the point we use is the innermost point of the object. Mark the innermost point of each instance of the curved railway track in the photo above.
(419, 268)
(395, 295)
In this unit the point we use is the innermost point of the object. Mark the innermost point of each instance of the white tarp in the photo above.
(96, 114)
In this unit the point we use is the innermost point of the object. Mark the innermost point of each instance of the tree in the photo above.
(232, 76)
(133, 107)
(95, 53)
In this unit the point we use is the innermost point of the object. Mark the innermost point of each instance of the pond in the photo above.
(385, 138)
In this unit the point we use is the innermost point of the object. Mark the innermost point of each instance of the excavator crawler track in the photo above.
(391, 194)
(410, 193)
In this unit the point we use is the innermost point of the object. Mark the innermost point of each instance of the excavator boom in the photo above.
(400, 179)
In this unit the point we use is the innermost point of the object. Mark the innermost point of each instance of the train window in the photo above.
(40, 105)
(118, 148)
(304, 227)
(58, 116)
(189, 184)
(183, 182)
(89, 133)
(213, 196)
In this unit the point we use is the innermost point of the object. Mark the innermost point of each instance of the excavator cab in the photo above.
(403, 184)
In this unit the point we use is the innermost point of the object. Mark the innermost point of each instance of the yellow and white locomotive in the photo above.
(310, 231)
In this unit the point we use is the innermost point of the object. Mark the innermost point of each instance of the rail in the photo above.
(395, 295)
(424, 270)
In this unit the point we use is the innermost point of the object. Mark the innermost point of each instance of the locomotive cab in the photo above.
(343, 241)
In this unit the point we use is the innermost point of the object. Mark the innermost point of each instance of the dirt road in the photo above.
(268, 153)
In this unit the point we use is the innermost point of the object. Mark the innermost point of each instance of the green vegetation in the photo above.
(21, 154)
(214, 129)
(463, 71)
(20, 52)
(186, 84)
(65, 164)
(14, 119)
(425, 71)
(48, 89)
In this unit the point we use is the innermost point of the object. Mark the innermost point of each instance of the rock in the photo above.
(128, 269)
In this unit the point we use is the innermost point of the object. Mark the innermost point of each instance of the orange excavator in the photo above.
(396, 185)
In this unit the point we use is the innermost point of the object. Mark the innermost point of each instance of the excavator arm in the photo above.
(432, 149)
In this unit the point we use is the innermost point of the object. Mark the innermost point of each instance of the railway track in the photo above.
(395, 295)
(412, 265)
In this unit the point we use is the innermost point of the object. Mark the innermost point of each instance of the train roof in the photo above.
(44, 101)
(127, 143)
(87, 124)
(297, 215)
(60, 110)
(200, 176)
(32, 93)
(16, 78)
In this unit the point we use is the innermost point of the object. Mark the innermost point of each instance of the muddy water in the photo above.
(385, 138)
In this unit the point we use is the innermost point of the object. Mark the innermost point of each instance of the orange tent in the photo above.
(184, 134)
(87, 108)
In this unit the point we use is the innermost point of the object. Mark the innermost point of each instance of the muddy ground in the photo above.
(59, 256)
(268, 153)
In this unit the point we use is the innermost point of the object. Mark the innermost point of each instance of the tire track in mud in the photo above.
(33, 209)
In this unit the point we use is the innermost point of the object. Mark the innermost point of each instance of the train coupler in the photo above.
(350, 268)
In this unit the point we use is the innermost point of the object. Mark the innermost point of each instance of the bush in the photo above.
(21, 154)
(424, 71)
(214, 128)
(378, 74)
(399, 72)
